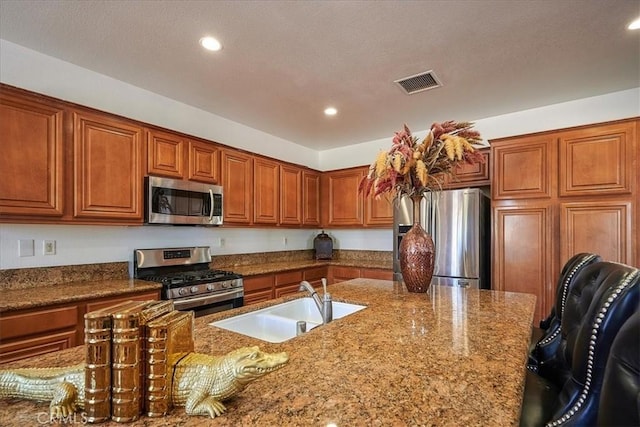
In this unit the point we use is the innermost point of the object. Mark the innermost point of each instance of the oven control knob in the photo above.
(211, 287)
(182, 291)
(225, 285)
(194, 289)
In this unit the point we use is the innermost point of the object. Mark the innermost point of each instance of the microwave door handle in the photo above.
(211, 208)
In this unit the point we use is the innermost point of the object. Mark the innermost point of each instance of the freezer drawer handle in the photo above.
(463, 283)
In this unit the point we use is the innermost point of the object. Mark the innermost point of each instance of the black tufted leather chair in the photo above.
(620, 396)
(603, 297)
(548, 337)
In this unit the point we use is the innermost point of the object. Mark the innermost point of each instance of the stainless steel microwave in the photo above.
(179, 202)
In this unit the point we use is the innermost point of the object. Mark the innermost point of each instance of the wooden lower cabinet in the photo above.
(315, 275)
(33, 332)
(288, 283)
(107, 302)
(258, 288)
(524, 253)
(340, 274)
(27, 333)
(376, 273)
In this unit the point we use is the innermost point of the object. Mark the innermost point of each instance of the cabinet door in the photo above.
(524, 168)
(108, 167)
(165, 154)
(475, 175)
(266, 191)
(204, 162)
(524, 253)
(379, 212)
(598, 160)
(290, 195)
(340, 196)
(31, 163)
(603, 227)
(237, 183)
(310, 198)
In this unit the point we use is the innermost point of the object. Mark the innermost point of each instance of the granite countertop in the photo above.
(274, 267)
(42, 296)
(451, 357)
(35, 296)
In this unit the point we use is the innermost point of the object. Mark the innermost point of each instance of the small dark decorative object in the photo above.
(323, 246)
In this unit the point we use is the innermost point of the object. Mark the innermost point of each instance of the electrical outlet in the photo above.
(285, 241)
(49, 247)
(220, 242)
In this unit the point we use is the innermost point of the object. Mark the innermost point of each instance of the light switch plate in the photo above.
(25, 247)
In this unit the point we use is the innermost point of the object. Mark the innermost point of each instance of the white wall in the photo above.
(613, 106)
(31, 70)
(28, 69)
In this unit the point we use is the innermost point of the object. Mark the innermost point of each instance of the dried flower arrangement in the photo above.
(414, 167)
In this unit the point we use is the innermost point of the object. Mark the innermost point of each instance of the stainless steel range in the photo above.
(188, 280)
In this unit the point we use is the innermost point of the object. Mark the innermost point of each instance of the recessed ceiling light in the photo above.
(635, 25)
(210, 43)
(330, 111)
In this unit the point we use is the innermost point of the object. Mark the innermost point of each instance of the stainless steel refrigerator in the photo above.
(459, 223)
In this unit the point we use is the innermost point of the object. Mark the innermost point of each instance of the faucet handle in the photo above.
(324, 285)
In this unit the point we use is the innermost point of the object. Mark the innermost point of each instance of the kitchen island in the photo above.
(450, 357)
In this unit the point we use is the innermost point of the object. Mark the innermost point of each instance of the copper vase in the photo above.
(417, 254)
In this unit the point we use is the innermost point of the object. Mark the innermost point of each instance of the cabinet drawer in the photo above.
(345, 273)
(255, 283)
(289, 278)
(97, 305)
(374, 273)
(37, 346)
(24, 324)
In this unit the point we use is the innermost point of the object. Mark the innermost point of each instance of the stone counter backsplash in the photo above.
(24, 278)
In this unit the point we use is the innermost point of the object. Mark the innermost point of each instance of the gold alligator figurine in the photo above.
(200, 382)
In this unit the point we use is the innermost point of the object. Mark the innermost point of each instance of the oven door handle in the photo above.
(184, 303)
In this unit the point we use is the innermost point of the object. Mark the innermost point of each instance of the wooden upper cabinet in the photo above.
(237, 183)
(340, 196)
(310, 198)
(524, 168)
(31, 163)
(290, 195)
(603, 227)
(475, 175)
(204, 162)
(165, 154)
(266, 191)
(379, 212)
(598, 160)
(108, 167)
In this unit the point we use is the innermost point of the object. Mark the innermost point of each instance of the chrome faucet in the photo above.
(324, 305)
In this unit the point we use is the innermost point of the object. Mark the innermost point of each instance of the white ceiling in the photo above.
(283, 62)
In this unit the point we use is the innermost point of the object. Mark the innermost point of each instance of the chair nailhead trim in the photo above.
(585, 389)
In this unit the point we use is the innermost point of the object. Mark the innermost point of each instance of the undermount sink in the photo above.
(278, 323)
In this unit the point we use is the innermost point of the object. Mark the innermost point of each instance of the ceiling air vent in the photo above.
(419, 82)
